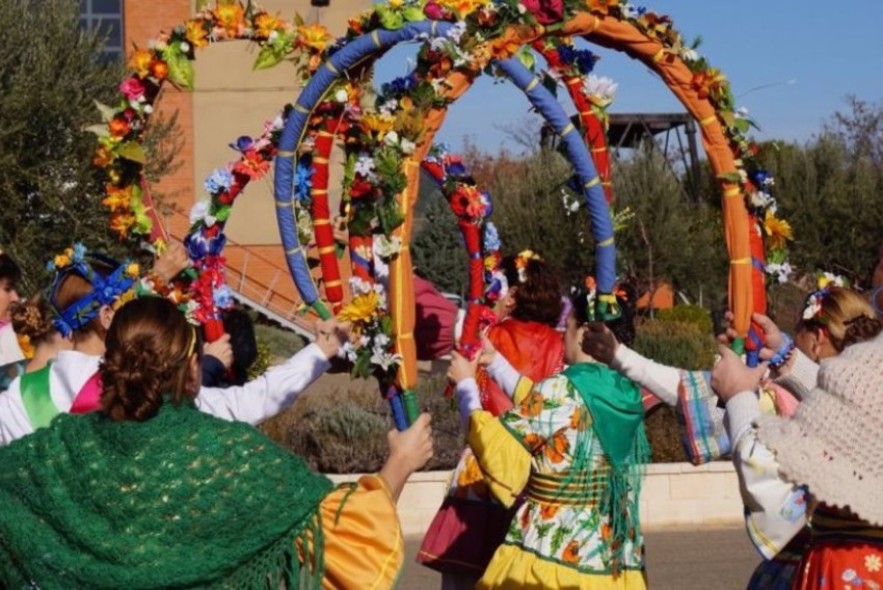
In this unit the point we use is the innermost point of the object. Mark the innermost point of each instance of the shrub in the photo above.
(342, 438)
(676, 343)
(690, 314)
(664, 434)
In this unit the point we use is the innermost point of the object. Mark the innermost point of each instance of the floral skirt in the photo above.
(843, 565)
(469, 526)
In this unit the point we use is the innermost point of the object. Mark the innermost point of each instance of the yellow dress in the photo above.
(557, 540)
(364, 547)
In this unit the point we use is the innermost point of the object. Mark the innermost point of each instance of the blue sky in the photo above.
(790, 62)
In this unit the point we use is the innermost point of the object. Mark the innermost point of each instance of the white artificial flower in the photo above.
(381, 296)
(273, 36)
(741, 113)
(382, 340)
(385, 360)
(364, 341)
(521, 9)
(199, 210)
(688, 54)
(148, 108)
(341, 95)
(456, 32)
(782, 271)
(391, 138)
(365, 166)
(408, 146)
(185, 46)
(602, 87)
(387, 247)
(360, 287)
(161, 45)
(348, 352)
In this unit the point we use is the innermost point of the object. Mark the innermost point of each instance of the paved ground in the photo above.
(712, 559)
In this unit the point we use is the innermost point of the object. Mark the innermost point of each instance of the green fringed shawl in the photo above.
(182, 500)
(618, 423)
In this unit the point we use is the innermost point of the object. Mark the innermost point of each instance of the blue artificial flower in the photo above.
(79, 253)
(567, 54)
(242, 144)
(223, 297)
(456, 168)
(585, 61)
(50, 266)
(491, 237)
(199, 246)
(489, 204)
(303, 180)
(760, 176)
(218, 181)
(399, 86)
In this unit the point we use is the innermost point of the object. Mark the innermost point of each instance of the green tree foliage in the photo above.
(831, 191)
(50, 76)
(670, 237)
(439, 254)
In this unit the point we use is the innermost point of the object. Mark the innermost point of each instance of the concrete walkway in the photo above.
(710, 559)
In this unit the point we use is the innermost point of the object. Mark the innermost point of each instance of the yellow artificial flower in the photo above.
(361, 309)
(265, 23)
(195, 33)
(395, 4)
(377, 124)
(133, 270)
(778, 230)
(63, 259)
(103, 157)
(117, 198)
(123, 299)
(140, 62)
(314, 36)
(230, 17)
(463, 8)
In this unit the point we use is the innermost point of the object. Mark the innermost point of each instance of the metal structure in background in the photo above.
(631, 130)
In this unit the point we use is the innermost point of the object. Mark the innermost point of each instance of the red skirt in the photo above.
(841, 565)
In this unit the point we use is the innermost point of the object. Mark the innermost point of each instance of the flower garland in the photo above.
(168, 58)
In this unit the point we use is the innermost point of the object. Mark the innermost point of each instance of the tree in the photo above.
(830, 189)
(50, 76)
(439, 254)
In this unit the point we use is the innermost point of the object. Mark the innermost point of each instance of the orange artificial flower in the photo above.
(140, 62)
(601, 6)
(117, 198)
(507, 45)
(571, 553)
(119, 127)
(231, 17)
(265, 23)
(103, 157)
(121, 223)
(557, 447)
(532, 405)
(355, 25)
(463, 8)
(195, 33)
(708, 82)
(548, 511)
(314, 36)
(159, 69)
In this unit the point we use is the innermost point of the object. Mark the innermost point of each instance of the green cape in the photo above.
(182, 500)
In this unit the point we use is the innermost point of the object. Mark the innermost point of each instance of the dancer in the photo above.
(832, 318)
(39, 340)
(826, 457)
(575, 445)
(470, 525)
(159, 495)
(10, 354)
(84, 294)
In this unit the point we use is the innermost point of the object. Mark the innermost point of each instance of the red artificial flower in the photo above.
(119, 127)
(360, 188)
(252, 165)
(545, 11)
(159, 69)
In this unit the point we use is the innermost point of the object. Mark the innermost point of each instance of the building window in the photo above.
(105, 17)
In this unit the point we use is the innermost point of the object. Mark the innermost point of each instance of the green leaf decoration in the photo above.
(268, 57)
(390, 19)
(107, 112)
(527, 59)
(223, 213)
(201, 4)
(414, 14)
(99, 130)
(180, 69)
(731, 177)
(132, 151)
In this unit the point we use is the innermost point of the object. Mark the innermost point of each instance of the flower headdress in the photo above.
(114, 289)
(814, 308)
(521, 261)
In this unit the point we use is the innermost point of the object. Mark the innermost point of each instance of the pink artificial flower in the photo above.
(133, 88)
(433, 11)
(545, 11)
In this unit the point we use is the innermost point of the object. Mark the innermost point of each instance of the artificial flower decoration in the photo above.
(778, 231)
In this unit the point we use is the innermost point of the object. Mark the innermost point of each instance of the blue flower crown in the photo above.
(106, 290)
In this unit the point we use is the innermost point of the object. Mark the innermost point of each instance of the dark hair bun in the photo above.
(134, 375)
(33, 319)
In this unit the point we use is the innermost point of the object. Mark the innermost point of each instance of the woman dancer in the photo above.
(575, 445)
(160, 495)
(470, 525)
